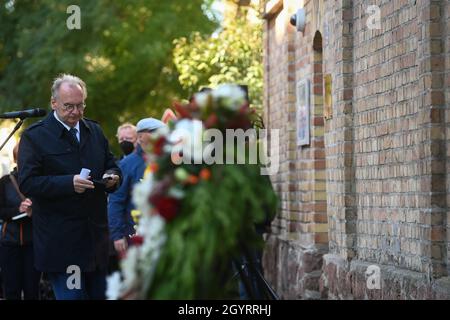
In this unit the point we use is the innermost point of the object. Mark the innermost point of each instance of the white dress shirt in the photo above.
(77, 126)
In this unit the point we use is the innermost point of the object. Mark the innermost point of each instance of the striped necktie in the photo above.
(74, 132)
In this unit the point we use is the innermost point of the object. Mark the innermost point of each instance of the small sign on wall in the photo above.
(303, 104)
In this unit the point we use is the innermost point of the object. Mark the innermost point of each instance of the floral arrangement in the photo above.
(196, 217)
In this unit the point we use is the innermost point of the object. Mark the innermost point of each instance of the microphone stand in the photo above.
(18, 125)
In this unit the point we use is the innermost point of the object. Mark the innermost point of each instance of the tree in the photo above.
(233, 55)
(123, 52)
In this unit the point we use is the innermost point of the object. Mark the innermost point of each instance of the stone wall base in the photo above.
(293, 270)
(296, 272)
(343, 280)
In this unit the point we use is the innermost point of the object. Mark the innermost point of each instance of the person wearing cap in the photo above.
(120, 204)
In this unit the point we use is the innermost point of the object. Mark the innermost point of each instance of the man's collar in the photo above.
(59, 128)
(77, 126)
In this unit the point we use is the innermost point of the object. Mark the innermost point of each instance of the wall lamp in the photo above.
(298, 19)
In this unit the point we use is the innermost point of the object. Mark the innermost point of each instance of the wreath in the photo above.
(197, 215)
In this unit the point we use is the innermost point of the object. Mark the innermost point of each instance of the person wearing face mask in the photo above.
(121, 224)
(127, 138)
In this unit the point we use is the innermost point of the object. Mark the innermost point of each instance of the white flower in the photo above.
(187, 137)
(152, 229)
(232, 96)
(202, 99)
(186, 127)
(150, 226)
(160, 132)
(140, 262)
(129, 267)
(141, 192)
(176, 193)
(114, 286)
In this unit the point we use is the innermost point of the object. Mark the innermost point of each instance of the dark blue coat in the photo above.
(68, 228)
(120, 203)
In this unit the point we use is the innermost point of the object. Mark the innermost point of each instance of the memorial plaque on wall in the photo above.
(303, 104)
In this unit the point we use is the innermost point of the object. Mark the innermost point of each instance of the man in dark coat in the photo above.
(70, 225)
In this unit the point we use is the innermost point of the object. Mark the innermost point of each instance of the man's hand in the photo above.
(112, 180)
(25, 206)
(121, 245)
(80, 185)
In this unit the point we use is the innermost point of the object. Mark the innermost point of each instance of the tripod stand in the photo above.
(250, 272)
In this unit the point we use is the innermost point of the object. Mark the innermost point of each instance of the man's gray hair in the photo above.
(67, 78)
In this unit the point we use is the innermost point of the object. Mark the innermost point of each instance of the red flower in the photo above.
(205, 174)
(192, 179)
(239, 122)
(158, 146)
(182, 110)
(153, 167)
(211, 121)
(193, 106)
(137, 240)
(167, 207)
(244, 109)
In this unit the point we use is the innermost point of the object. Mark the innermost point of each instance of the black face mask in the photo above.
(127, 147)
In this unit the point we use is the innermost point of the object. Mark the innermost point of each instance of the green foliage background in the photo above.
(135, 56)
(123, 52)
(233, 55)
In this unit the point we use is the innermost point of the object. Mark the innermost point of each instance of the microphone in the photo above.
(30, 113)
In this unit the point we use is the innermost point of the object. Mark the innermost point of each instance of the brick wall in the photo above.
(300, 232)
(391, 155)
(445, 28)
(371, 188)
(338, 61)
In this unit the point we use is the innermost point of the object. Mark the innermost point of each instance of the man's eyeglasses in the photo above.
(71, 107)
